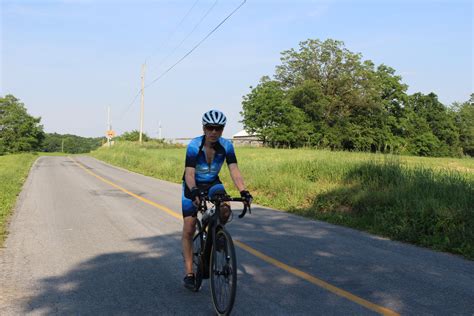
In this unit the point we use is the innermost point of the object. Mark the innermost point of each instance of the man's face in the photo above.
(213, 132)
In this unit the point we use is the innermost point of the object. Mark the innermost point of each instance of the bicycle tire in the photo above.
(198, 244)
(223, 273)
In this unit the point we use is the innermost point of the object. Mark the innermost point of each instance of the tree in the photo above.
(440, 121)
(348, 101)
(72, 144)
(419, 138)
(465, 121)
(133, 136)
(328, 63)
(268, 113)
(393, 97)
(339, 101)
(309, 98)
(19, 131)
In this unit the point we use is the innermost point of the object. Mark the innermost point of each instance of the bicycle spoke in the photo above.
(223, 281)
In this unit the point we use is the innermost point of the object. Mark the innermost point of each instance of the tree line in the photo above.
(325, 96)
(71, 144)
(21, 132)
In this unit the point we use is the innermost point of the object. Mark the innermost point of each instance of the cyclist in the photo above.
(204, 158)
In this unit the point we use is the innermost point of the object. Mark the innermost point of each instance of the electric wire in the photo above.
(163, 44)
(173, 31)
(131, 103)
(196, 46)
(184, 56)
(186, 37)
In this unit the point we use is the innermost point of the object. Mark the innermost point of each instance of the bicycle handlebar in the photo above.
(226, 198)
(246, 206)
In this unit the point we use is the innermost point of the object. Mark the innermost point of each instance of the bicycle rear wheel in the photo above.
(223, 273)
(198, 244)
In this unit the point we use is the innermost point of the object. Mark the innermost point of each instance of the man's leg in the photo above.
(189, 226)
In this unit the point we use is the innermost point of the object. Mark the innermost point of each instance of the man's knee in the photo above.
(225, 213)
(189, 228)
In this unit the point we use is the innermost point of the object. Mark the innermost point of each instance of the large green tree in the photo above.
(346, 100)
(338, 100)
(268, 113)
(19, 131)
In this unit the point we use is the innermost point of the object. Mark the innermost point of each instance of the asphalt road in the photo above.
(91, 239)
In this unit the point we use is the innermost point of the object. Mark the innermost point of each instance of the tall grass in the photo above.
(425, 201)
(424, 206)
(13, 172)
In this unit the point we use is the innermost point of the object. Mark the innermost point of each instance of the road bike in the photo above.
(214, 252)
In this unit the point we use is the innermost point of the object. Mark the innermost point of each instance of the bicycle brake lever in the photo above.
(243, 212)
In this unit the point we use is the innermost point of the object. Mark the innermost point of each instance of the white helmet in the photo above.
(214, 117)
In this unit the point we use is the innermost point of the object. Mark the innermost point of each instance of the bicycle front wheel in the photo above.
(223, 273)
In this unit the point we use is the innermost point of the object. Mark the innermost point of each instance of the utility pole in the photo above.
(142, 102)
(62, 146)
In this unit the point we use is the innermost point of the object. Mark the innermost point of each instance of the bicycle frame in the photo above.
(206, 236)
(212, 225)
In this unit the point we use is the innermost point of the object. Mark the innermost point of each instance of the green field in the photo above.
(425, 201)
(13, 172)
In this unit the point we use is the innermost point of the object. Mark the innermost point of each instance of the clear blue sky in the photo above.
(67, 60)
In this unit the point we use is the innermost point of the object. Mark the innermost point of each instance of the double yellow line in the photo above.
(303, 275)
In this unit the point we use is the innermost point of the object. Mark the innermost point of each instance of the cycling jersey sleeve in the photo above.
(191, 156)
(230, 154)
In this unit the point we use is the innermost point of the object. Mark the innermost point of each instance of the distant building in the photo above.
(243, 138)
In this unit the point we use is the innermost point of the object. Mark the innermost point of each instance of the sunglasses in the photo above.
(218, 128)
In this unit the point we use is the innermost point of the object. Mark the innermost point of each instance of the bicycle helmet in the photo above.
(214, 117)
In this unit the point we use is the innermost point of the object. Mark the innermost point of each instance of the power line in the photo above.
(129, 106)
(153, 53)
(173, 31)
(196, 46)
(186, 55)
(187, 36)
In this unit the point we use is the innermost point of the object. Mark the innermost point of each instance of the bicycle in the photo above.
(214, 253)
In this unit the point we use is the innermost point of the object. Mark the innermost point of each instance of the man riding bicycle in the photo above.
(204, 158)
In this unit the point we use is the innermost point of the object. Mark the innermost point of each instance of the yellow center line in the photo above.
(161, 207)
(303, 275)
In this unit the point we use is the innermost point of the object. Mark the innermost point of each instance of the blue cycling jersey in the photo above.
(196, 158)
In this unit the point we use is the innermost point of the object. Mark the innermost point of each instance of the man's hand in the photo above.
(247, 196)
(196, 196)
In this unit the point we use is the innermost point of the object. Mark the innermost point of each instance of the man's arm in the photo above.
(189, 177)
(236, 176)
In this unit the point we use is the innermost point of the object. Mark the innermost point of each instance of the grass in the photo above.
(425, 201)
(13, 172)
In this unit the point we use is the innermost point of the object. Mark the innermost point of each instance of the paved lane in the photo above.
(88, 238)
